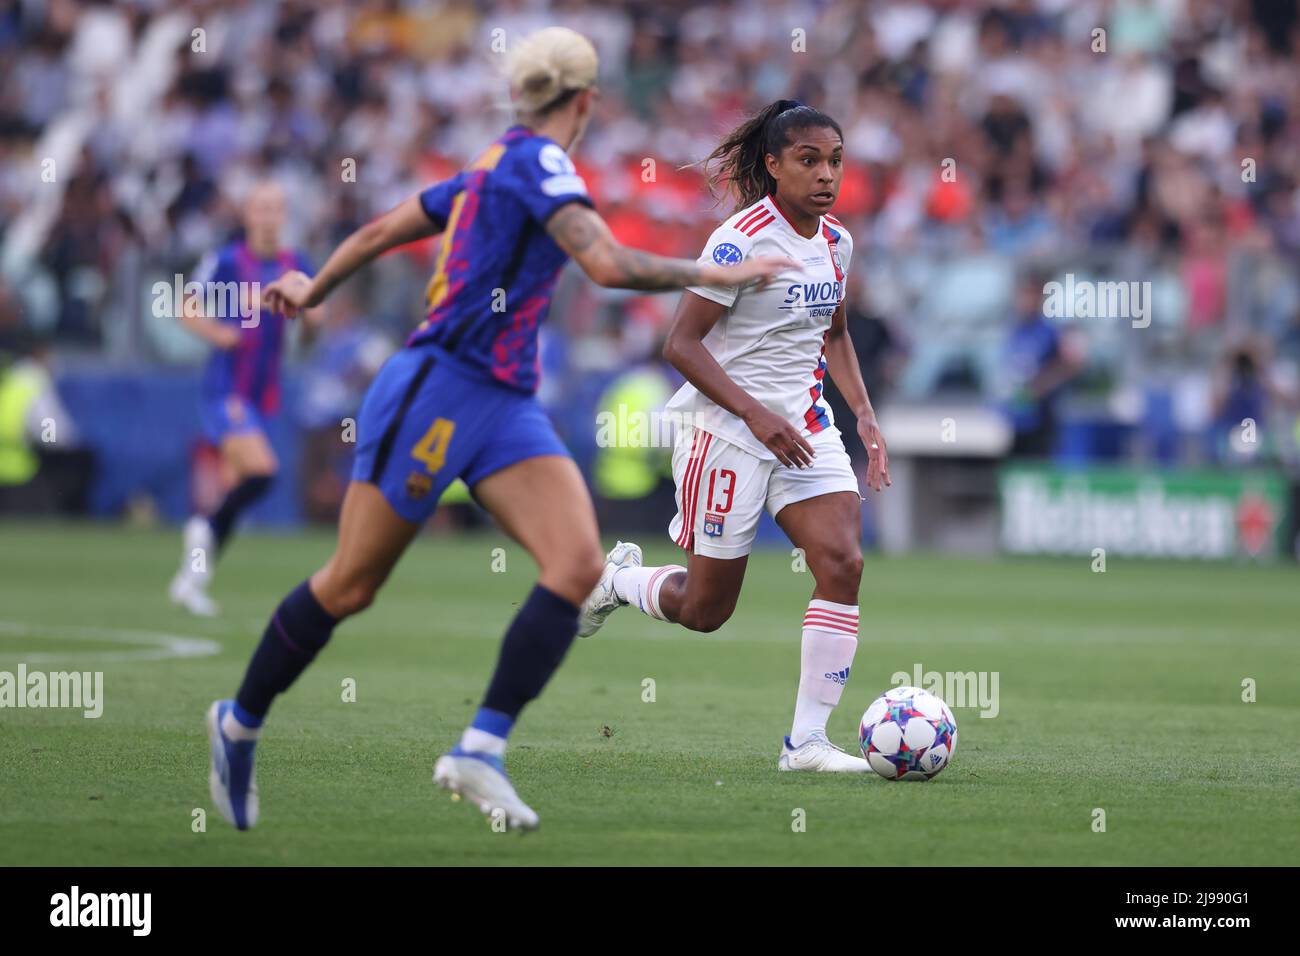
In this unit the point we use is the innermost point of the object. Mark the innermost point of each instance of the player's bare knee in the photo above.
(587, 570)
(343, 597)
(839, 571)
(357, 597)
(573, 577)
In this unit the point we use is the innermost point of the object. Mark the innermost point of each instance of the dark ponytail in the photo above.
(739, 165)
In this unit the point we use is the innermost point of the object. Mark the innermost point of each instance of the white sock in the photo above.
(481, 742)
(639, 587)
(830, 639)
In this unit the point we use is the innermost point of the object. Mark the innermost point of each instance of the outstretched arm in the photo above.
(583, 234)
(404, 223)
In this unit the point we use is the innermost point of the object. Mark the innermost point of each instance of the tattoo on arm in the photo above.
(573, 229)
(644, 270)
(579, 230)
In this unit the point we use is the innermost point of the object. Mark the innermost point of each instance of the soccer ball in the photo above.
(908, 734)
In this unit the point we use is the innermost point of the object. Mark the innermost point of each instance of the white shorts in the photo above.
(722, 489)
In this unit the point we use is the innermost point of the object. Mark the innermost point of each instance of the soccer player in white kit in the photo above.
(758, 432)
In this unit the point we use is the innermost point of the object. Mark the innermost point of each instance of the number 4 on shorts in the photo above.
(432, 448)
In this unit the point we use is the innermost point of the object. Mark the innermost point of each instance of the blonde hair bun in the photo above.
(546, 64)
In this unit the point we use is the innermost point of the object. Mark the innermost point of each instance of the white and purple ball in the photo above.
(908, 734)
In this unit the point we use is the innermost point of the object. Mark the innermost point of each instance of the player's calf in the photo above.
(664, 593)
(704, 615)
(701, 599)
(250, 490)
(300, 627)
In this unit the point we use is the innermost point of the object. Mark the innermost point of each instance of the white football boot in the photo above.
(603, 601)
(189, 587)
(481, 779)
(818, 754)
(231, 777)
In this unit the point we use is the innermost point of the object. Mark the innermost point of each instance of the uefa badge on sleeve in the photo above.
(727, 254)
(713, 525)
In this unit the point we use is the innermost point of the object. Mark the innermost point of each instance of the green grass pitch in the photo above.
(1120, 691)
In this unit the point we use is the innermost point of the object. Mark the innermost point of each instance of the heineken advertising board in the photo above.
(1176, 514)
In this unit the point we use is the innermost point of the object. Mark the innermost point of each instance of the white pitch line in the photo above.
(158, 646)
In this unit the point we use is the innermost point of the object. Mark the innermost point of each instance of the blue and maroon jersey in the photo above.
(496, 266)
(251, 370)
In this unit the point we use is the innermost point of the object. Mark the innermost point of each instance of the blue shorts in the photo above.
(229, 415)
(427, 421)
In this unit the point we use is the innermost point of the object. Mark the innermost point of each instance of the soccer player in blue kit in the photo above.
(241, 381)
(458, 402)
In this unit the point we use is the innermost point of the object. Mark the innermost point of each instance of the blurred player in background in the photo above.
(1039, 360)
(241, 383)
(758, 430)
(459, 401)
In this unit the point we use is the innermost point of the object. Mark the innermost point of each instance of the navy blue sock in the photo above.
(298, 629)
(533, 648)
(237, 499)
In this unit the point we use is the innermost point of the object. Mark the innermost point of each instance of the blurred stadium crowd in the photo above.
(990, 146)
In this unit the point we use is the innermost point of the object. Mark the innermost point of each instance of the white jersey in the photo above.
(771, 342)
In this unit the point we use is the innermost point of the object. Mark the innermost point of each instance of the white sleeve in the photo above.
(726, 247)
(846, 253)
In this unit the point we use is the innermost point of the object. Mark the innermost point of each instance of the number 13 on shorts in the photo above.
(724, 480)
